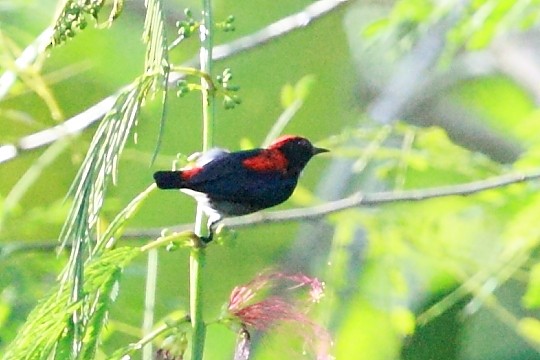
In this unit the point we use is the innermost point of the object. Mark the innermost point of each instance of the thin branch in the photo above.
(279, 28)
(83, 120)
(70, 127)
(150, 301)
(374, 199)
(197, 254)
(357, 199)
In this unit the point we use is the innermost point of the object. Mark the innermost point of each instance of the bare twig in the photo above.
(279, 28)
(379, 198)
(357, 199)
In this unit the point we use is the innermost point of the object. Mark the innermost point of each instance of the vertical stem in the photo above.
(150, 301)
(197, 255)
(196, 262)
(205, 55)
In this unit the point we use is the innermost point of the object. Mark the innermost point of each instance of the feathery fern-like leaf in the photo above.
(47, 326)
(101, 161)
(156, 61)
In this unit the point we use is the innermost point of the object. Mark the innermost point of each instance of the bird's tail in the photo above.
(169, 179)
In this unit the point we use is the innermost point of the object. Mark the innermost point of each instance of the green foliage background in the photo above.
(449, 278)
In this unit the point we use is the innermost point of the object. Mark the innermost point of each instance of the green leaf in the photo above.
(98, 317)
(246, 143)
(303, 87)
(114, 230)
(531, 299)
(91, 182)
(375, 27)
(299, 92)
(413, 10)
(379, 343)
(156, 61)
(47, 329)
(287, 95)
(403, 320)
(37, 338)
(530, 328)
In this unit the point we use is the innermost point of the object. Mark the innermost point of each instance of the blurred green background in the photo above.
(450, 278)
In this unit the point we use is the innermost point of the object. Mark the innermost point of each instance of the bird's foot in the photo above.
(215, 231)
(207, 239)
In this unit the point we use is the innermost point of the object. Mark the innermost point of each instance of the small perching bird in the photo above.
(238, 183)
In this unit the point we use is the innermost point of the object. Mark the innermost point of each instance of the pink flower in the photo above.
(249, 306)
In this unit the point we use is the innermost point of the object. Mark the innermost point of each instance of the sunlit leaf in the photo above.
(304, 86)
(403, 321)
(287, 95)
(531, 299)
(530, 328)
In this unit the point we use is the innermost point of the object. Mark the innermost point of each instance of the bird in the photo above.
(228, 184)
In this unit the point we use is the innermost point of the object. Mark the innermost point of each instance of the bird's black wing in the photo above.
(226, 178)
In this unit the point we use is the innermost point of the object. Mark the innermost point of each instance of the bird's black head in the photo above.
(297, 150)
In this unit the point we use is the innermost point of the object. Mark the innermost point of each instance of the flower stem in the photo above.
(205, 55)
(150, 300)
(197, 254)
(196, 263)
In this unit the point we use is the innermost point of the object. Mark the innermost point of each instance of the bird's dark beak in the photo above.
(316, 151)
